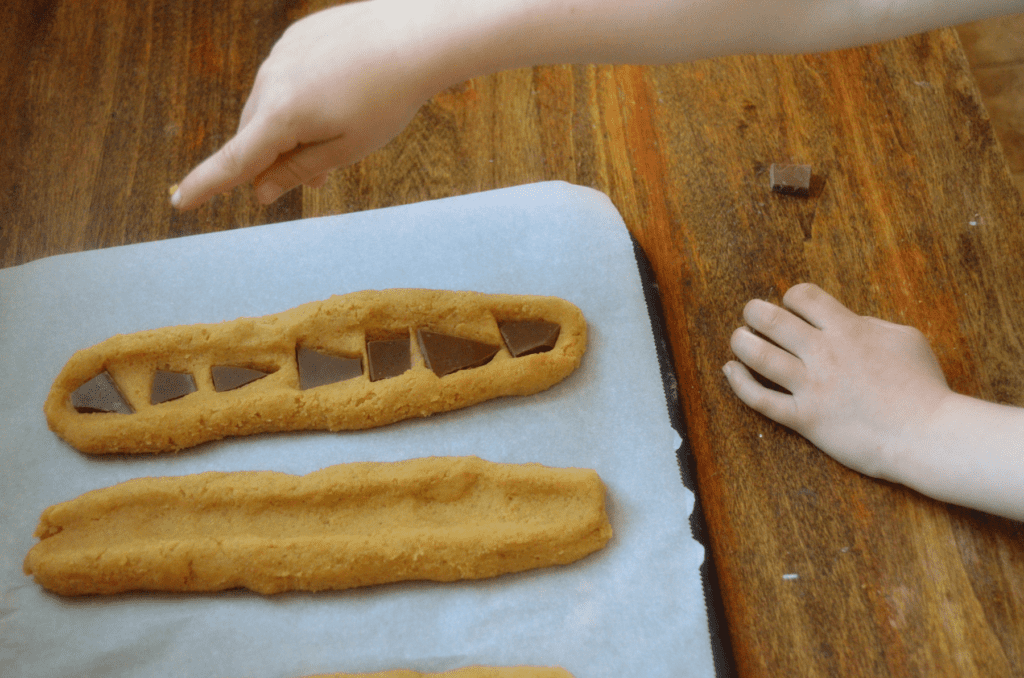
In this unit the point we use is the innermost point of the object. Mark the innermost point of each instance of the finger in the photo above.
(241, 159)
(776, 406)
(816, 306)
(304, 165)
(317, 182)
(785, 329)
(268, 193)
(768, 360)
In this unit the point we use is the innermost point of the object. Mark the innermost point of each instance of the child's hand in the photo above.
(862, 388)
(343, 82)
(338, 85)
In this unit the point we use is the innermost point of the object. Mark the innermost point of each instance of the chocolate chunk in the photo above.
(318, 369)
(523, 337)
(230, 377)
(445, 354)
(388, 358)
(790, 179)
(170, 386)
(100, 394)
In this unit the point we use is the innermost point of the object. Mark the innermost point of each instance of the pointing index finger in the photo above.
(240, 160)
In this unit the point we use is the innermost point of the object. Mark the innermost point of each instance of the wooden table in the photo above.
(914, 219)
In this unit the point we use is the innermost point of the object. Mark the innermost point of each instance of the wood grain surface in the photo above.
(913, 218)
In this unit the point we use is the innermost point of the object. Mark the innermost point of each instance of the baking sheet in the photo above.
(636, 608)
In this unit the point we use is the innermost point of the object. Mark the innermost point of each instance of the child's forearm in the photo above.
(342, 82)
(484, 37)
(971, 453)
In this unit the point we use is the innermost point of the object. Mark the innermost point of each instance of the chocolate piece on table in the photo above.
(445, 354)
(525, 337)
(100, 394)
(171, 386)
(230, 377)
(388, 358)
(318, 369)
(790, 179)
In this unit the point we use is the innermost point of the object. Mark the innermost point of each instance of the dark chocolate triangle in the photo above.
(318, 369)
(388, 358)
(524, 337)
(170, 386)
(230, 377)
(445, 354)
(100, 394)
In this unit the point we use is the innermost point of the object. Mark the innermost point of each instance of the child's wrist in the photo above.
(918, 452)
(465, 39)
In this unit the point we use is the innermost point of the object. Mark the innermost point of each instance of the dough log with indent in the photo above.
(357, 524)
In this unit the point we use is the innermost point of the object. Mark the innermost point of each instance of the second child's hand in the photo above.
(871, 394)
(858, 385)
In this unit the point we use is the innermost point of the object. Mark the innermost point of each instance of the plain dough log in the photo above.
(349, 525)
(468, 672)
(275, 403)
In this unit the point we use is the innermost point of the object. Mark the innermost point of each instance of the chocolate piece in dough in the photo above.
(525, 337)
(318, 369)
(445, 354)
(230, 377)
(100, 394)
(388, 358)
(790, 179)
(170, 386)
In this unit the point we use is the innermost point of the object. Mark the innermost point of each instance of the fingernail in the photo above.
(175, 196)
(727, 369)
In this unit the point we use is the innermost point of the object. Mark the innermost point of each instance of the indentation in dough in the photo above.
(348, 525)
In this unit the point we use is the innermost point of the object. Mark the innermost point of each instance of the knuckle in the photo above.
(291, 170)
(761, 354)
(772, 317)
(305, 165)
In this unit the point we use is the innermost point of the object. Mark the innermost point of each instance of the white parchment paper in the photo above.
(636, 608)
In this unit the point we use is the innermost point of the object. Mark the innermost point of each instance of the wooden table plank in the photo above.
(914, 219)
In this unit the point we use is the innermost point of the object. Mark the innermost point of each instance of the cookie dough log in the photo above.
(339, 326)
(468, 672)
(349, 525)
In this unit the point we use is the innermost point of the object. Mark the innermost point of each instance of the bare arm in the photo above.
(871, 394)
(343, 82)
